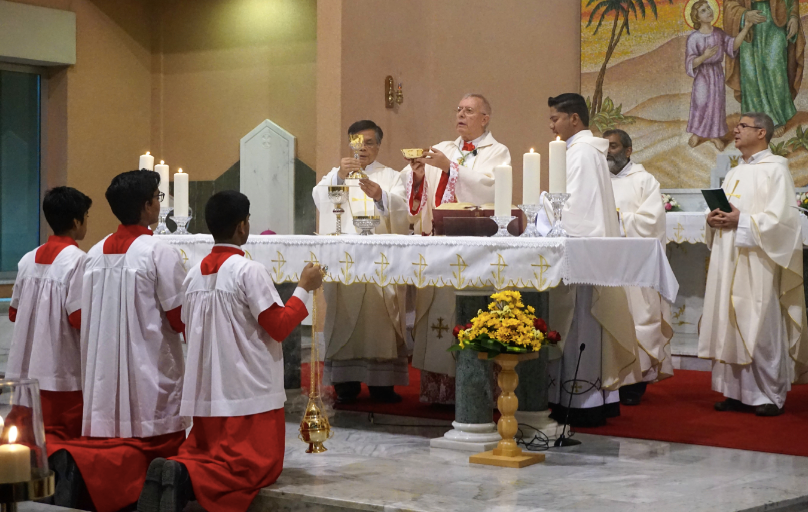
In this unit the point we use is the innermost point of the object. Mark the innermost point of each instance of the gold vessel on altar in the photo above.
(357, 143)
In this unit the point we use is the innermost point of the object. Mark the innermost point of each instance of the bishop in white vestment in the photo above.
(642, 215)
(460, 170)
(595, 316)
(754, 323)
(364, 324)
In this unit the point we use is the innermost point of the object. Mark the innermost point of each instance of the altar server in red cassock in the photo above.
(132, 363)
(235, 323)
(46, 309)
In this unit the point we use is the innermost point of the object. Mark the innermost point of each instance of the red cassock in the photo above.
(132, 386)
(233, 386)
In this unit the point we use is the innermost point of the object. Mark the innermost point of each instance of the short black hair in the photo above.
(129, 192)
(366, 124)
(62, 205)
(625, 138)
(571, 103)
(224, 211)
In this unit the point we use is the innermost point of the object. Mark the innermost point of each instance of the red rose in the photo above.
(456, 330)
(554, 337)
(468, 326)
(540, 324)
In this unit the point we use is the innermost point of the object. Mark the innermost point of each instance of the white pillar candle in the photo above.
(531, 178)
(503, 190)
(162, 169)
(180, 194)
(15, 460)
(558, 166)
(146, 162)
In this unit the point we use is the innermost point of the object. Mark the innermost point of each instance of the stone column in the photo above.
(474, 428)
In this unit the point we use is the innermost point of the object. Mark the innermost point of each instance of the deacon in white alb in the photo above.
(596, 316)
(364, 325)
(642, 215)
(460, 170)
(131, 350)
(754, 324)
(46, 309)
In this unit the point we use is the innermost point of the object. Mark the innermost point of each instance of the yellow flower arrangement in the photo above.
(507, 327)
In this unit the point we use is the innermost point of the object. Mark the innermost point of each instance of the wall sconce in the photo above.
(389, 92)
(399, 95)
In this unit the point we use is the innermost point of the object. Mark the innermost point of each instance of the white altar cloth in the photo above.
(457, 262)
(688, 227)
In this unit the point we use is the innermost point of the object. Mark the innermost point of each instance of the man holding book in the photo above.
(754, 322)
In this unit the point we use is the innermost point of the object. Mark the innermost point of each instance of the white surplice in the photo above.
(132, 363)
(471, 181)
(642, 215)
(597, 316)
(221, 313)
(44, 345)
(754, 323)
(363, 329)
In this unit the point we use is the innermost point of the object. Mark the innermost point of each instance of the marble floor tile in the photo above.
(388, 466)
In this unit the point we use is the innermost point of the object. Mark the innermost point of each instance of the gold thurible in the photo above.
(315, 428)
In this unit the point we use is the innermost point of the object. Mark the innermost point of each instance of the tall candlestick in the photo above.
(15, 460)
(531, 176)
(146, 162)
(180, 194)
(162, 169)
(558, 166)
(503, 190)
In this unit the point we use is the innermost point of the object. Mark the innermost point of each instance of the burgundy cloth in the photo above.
(268, 232)
(48, 251)
(119, 241)
(12, 314)
(62, 413)
(175, 320)
(74, 319)
(114, 469)
(231, 459)
(278, 321)
(442, 184)
(468, 146)
(421, 196)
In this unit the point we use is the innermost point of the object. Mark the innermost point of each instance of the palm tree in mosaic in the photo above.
(622, 10)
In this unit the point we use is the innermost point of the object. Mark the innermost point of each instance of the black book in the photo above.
(717, 199)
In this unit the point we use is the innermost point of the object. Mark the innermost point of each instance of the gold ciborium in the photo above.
(357, 143)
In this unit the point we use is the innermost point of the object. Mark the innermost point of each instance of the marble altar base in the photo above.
(391, 469)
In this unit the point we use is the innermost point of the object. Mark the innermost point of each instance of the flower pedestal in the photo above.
(507, 453)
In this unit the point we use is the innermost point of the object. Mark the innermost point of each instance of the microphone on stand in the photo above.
(562, 439)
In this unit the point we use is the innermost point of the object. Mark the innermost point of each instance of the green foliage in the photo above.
(779, 149)
(609, 117)
(800, 140)
(620, 7)
(491, 346)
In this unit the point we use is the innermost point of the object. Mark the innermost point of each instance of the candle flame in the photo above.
(12, 435)
(180, 170)
(558, 137)
(148, 153)
(531, 150)
(162, 162)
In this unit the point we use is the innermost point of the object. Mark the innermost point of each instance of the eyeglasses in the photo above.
(160, 196)
(744, 125)
(467, 110)
(369, 144)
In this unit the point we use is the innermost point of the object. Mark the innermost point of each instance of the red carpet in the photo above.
(679, 410)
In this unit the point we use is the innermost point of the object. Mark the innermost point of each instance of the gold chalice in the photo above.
(357, 143)
(338, 194)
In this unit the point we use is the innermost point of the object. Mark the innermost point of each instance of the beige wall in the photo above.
(98, 111)
(220, 68)
(515, 52)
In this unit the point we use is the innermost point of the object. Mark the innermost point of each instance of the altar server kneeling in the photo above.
(46, 309)
(235, 323)
(131, 355)
(754, 323)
